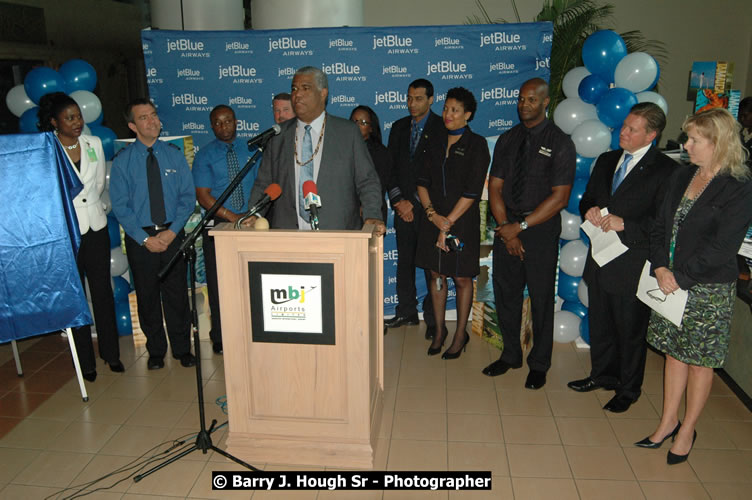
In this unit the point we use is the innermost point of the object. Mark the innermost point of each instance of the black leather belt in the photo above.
(153, 230)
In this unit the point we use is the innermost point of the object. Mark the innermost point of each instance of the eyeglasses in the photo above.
(653, 294)
(361, 123)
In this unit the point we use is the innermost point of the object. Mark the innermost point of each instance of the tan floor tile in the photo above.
(653, 383)
(501, 489)
(471, 401)
(415, 495)
(650, 465)
(595, 489)
(191, 416)
(586, 431)
(423, 426)
(727, 408)
(61, 406)
(643, 408)
(523, 402)
(572, 404)
(213, 389)
(557, 379)
(599, 462)
(104, 465)
(13, 461)
(513, 379)
(480, 428)
(134, 441)
(538, 461)
(158, 413)
(187, 436)
(412, 376)
(93, 389)
(386, 422)
(530, 430)
(20, 491)
(134, 496)
(107, 410)
(33, 433)
(177, 479)
(464, 376)
(423, 399)
(348, 494)
(203, 485)
(628, 431)
(417, 455)
(478, 456)
(53, 468)
(721, 465)
(174, 388)
(83, 437)
(673, 491)
(544, 489)
(133, 387)
(711, 434)
(727, 491)
(740, 434)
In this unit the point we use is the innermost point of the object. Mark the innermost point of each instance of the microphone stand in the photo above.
(188, 251)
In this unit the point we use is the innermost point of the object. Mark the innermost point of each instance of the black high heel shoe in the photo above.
(433, 351)
(673, 459)
(647, 443)
(455, 355)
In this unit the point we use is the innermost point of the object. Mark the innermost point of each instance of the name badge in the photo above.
(92, 154)
(544, 151)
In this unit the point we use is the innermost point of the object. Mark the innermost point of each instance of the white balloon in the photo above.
(582, 293)
(86, 130)
(572, 257)
(106, 202)
(571, 112)
(558, 304)
(591, 138)
(18, 101)
(107, 170)
(89, 103)
(118, 262)
(571, 83)
(650, 96)
(566, 326)
(570, 226)
(636, 72)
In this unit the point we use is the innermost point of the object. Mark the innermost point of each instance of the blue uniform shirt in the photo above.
(129, 190)
(210, 170)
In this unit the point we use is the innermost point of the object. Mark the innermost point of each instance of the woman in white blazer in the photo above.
(60, 113)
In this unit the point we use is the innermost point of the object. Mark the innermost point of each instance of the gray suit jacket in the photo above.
(346, 180)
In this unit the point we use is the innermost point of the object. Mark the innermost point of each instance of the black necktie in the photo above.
(156, 196)
(519, 179)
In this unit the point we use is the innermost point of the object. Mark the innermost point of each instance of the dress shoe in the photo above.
(619, 404)
(90, 376)
(433, 351)
(673, 459)
(401, 320)
(497, 368)
(535, 379)
(187, 360)
(587, 385)
(430, 332)
(155, 363)
(116, 367)
(455, 355)
(647, 443)
(217, 347)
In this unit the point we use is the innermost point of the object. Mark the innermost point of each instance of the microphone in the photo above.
(264, 136)
(271, 193)
(312, 202)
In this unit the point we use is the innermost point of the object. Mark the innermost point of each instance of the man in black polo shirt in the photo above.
(530, 181)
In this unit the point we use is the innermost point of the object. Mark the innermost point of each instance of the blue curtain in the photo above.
(40, 289)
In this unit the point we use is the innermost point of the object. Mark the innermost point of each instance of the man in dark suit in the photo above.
(630, 183)
(327, 150)
(411, 137)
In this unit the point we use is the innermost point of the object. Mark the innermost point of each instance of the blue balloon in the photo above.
(615, 138)
(123, 317)
(657, 77)
(584, 237)
(614, 106)
(27, 123)
(583, 166)
(568, 286)
(592, 88)
(578, 189)
(108, 139)
(602, 51)
(572, 306)
(97, 121)
(113, 229)
(585, 329)
(42, 80)
(121, 289)
(78, 75)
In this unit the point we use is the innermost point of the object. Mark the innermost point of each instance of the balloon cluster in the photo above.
(76, 78)
(599, 96)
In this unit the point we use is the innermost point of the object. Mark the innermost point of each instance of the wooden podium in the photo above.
(303, 388)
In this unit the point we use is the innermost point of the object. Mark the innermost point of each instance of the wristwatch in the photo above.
(523, 225)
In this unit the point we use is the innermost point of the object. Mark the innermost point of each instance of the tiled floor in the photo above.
(439, 415)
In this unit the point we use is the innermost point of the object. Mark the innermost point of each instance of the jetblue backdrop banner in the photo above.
(190, 72)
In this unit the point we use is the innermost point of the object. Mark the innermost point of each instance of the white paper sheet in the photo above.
(669, 306)
(606, 246)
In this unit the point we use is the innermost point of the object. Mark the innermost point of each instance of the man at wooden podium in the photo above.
(325, 149)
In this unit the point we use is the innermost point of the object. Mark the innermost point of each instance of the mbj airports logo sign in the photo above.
(292, 303)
